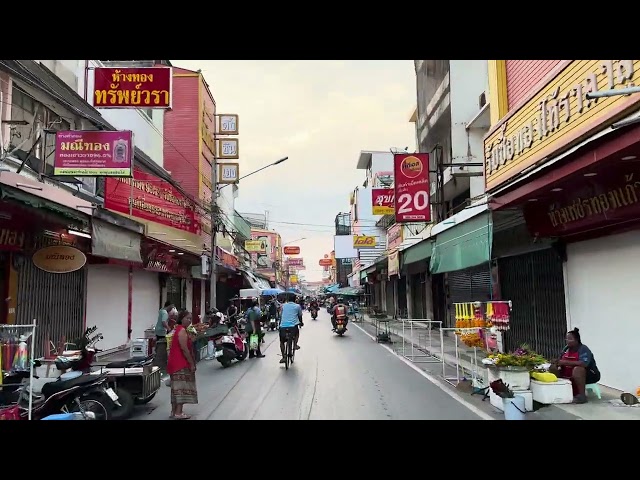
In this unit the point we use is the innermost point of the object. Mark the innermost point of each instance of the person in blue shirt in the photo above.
(290, 322)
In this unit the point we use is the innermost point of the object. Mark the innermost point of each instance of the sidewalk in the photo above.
(423, 347)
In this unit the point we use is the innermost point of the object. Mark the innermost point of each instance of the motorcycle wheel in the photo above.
(146, 400)
(128, 404)
(226, 363)
(92, 403)
(243, 355)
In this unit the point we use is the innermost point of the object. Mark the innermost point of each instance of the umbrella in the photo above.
(271, 292)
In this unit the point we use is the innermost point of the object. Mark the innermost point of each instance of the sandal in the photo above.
(182, 416)
(629, 399)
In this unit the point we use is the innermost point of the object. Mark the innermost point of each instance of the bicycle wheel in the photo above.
(287, 354)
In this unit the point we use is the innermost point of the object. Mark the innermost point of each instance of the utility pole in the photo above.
(214, 215)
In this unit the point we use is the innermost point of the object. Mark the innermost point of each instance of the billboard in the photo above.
(325, 262)
(295, 262)
(343, 246)
(152, 199)
(394, 236)
(382, 201)
(364, 241)
(291, 250)
(266, 259)
(255, 246)
(411, 174)
(144, 87)
(92, 153)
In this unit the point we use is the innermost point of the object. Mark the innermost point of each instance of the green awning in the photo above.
(416, 253)
(39, 202)
(463, 246)
(363, 274)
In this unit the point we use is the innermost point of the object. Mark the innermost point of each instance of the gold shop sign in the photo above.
(558, 116)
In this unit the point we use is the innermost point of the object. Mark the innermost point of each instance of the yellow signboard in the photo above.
(364, 241)
(293, 279)
(558, 116)
(255, 246)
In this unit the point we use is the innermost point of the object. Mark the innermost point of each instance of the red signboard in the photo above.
(382, 201)
(90, 153)
(325, 262)
(153, 199)
(291, 250)
(148, 87)
(411, 177)
(609, 199)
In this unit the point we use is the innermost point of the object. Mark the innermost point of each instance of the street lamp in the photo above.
(215, 191)
(277, 162)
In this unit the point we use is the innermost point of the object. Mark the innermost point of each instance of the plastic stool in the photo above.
(595, 388)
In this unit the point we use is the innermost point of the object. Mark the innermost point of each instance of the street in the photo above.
(333, 378)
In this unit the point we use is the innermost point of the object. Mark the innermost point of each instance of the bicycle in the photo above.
(289, 350)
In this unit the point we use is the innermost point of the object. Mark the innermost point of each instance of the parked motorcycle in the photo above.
(230, 343)
(134, 380)
(88, 395)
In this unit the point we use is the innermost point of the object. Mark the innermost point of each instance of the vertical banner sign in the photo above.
(383, 200)
(93, 153)
(228, 173)
(411, 176)
(147, 87)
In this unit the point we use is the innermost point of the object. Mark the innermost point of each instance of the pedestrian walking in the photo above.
(254, 327)
(182, 368)
(161, 329)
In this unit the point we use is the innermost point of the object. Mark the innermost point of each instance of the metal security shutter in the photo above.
(402, 296)
(417, 295)
(56, 301)
(391, 311)
(535, 284)
(469, 285)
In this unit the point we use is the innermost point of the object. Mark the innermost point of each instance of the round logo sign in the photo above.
(411, 167)
(59, 259)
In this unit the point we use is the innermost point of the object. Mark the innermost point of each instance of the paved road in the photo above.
(333, 378)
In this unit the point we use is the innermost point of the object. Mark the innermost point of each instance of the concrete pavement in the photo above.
(333, 378)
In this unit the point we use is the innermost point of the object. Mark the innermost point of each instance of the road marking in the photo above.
(430, 377)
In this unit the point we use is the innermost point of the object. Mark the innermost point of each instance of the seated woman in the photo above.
(577, 364)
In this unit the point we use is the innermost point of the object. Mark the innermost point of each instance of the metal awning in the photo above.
(35, 201)
(111, 241)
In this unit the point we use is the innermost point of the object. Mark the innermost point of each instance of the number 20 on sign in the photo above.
(411, 179)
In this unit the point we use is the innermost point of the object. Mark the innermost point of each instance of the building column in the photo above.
(407, 279)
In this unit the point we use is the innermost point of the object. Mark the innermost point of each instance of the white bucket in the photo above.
(514, 408)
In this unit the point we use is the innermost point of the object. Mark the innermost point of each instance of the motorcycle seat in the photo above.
(129, 362)
(49, 389)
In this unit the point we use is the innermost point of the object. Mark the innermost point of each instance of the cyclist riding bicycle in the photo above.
(290, 323)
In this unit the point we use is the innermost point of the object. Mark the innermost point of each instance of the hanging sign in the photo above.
(383, 200)
(228, 124)
(411, 176)
(142, 87)
(228, 173)
(364, 241)
(228, 149)
(59, 259)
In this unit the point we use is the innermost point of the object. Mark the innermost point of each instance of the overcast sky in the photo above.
(320, 114)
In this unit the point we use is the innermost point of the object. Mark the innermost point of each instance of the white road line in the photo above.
(430, 377)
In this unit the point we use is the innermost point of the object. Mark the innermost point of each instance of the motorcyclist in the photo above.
(339, 311)
(273, 310)
(313, 306)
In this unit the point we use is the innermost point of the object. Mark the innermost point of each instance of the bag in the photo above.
(254, 342)
(11, 413)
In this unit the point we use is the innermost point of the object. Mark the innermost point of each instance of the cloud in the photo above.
(320, 114)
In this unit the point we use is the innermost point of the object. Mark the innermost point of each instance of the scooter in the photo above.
(71, 392)
(230, 343)
(341, 326)
(272, 323)
(134, 380)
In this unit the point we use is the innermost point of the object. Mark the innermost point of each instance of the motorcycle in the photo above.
(314, 313)
(72, 392)
(134, 380)
(341, 326)
(229, 341)
(272, 323)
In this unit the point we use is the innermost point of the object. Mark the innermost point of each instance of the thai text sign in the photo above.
(364, 241)
(411, 176)
(148, 87)
(293, 279)
(228, 124)
(228, 149)
(325, 262)
(382, 200)
(153, 199)
(228, 173)
(295, 262)
(255, 246)
(394, 236)
(90, 153)
(394, 263)
(610, 200)
(291, 250)
(558, 116)
(59, 259)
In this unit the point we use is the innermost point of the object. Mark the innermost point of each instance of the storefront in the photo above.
(414, 265)
(576, 186)
(34, 216)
